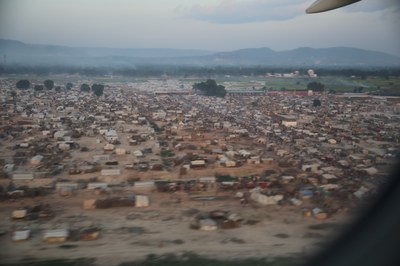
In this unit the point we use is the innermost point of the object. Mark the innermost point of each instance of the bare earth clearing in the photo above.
(131, 234)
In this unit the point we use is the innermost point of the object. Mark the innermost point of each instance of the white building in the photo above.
(311, 73)
(111, 135)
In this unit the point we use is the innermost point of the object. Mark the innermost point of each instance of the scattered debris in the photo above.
(90, 234)
(266, 200)
(216, 219)
(282, 235)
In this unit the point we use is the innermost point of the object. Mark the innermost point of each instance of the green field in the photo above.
(338, 84)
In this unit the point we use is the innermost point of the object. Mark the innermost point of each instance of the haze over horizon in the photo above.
(223, 25)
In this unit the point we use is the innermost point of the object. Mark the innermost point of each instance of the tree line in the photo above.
(198, 71)
(24, 84)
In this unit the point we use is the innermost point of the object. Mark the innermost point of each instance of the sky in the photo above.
(215, 25)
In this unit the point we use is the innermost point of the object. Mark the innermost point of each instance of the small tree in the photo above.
(98, 89)
(316, 103)
(57, 88)
(69, 86)
(14, 96)
(85, 87)
(23, 84)
(49, 84)
(316, 86)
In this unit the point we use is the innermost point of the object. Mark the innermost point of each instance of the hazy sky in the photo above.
(218, 25)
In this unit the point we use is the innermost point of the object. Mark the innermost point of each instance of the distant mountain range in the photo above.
(19, 53)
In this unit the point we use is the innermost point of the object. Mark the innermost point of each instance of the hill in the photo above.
(19, 53)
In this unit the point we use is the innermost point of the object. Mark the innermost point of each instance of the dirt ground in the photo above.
(131, 234)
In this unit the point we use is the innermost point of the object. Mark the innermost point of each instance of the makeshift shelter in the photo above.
(56, 236)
